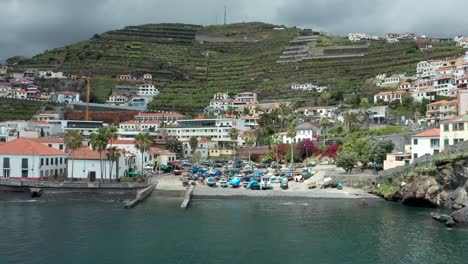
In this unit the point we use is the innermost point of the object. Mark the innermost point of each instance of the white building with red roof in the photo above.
(25, 159)
(87, 165)
(425, 143)
(389, 96)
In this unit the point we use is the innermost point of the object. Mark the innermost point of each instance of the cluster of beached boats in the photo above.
(250, 178)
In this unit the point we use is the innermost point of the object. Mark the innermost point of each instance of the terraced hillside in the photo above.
(189, 63)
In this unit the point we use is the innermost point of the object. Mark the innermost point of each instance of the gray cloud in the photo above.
(28, 27)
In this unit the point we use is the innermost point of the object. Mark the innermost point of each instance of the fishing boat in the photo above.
(223, 183)
(210, 181)
(284, 184)
(266, 182)
(235, 182)
(253, 185)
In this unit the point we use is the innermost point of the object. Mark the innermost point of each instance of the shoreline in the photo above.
(229, 193)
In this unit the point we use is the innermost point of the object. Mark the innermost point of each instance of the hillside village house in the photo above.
(425, 143)
(453, 131)
(318, 111)
(50, 74)
(147, 77)
(147, 89)
(389, 96)
(65, 97)
(117, 100)
(87, 165)
(25, 159)
(305, 130)
(441, 110)
(126, 77)
(45, 117)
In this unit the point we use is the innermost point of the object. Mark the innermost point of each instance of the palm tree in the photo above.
(324, 124)
(284, 109)
(73, 140)
(111, 134)
(234, 134)
(99, 142)
(292, 134)
(364, 110)
(249, 142)
(143, 142)
(276, 140)
(350, 119)
(113, 155)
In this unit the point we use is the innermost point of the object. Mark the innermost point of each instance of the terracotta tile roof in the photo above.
(443, 102)
(463, 118)
(86, 153)
(129, 122)
(66, 93)
(151, 122)
(26, 146)
(391, 92)
(435, 132)
(159, 151)
(445, 77)
(204, 140)
(48, 140)
(40, 122)
(160, 114)
(122, 142)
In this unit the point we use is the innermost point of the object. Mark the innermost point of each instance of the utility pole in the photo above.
(225, 14)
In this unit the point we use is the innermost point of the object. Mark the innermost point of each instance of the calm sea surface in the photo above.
(225, 231)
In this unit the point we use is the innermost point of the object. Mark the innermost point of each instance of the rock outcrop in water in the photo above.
(445, 186)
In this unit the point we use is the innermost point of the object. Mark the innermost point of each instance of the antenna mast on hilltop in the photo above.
(225, 14)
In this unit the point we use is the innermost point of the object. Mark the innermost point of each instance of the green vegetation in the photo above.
(190, 71)
(23, 110)
(386, 190)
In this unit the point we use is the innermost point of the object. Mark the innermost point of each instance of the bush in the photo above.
(347, 160)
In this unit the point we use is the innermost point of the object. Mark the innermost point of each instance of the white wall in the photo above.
(34, 165)
(423, 146)
(82, 168)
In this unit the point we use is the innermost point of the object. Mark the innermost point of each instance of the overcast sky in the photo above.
(28, 27)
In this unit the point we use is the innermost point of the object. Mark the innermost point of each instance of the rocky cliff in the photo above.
(443, 184)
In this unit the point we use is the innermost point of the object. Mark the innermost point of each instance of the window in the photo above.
(47, 161)
(458, 127)
(446, 127)
(415, 141)
(6, 167)
(446, 142)
(50, 145)
(61, 160)
(61, 147)
(42, 161)
(24, 168)
(51, 161)
(435, 142)
(415, 156)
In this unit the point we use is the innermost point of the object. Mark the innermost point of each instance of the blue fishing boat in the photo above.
(210, 181)
(253, 185)
(235, 182)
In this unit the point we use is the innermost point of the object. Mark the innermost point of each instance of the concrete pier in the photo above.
(188, 196)
(142, 194)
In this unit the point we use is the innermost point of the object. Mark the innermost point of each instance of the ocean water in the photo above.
(226, 231)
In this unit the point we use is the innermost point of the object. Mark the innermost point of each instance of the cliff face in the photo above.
(446, 187)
